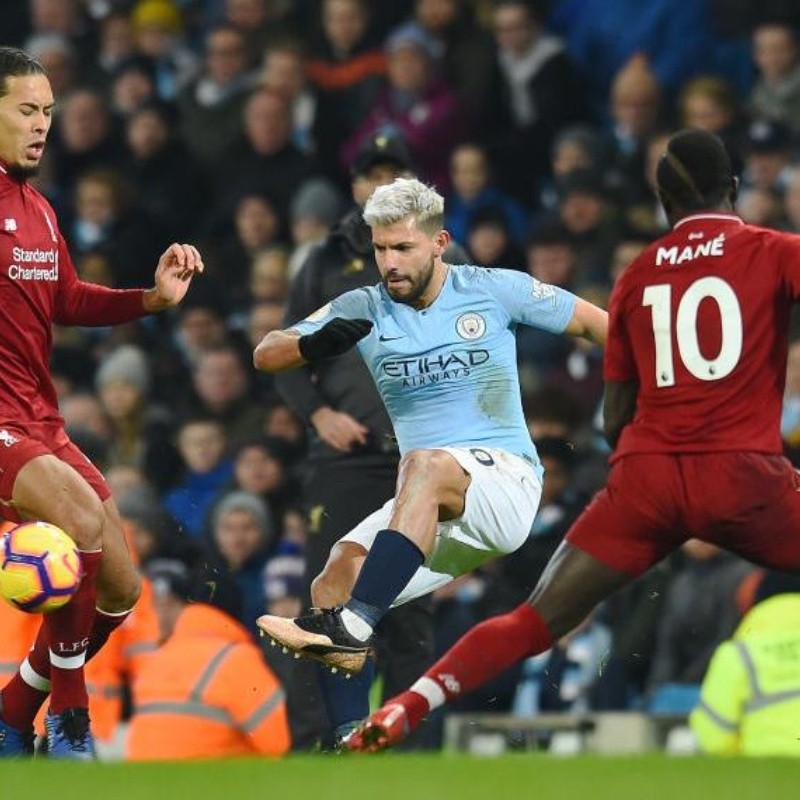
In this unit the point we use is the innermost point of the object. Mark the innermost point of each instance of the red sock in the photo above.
(68, 639)
(483, 653)
(105, 623)
(24, 694)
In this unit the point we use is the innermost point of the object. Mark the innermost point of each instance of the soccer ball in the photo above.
(40, 568)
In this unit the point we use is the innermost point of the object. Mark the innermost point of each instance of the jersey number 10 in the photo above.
(659, 298)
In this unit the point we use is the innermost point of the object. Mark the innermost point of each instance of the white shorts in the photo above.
(501, 502)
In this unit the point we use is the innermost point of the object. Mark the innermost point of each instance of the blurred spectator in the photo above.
(490, 242)
(346, 70)
(635, 116)
(265, 162)
(116, 43)
(65, 18)
(791, 200)
(260, 21)
(201, 443)
(269, 275)
(790, 416)
(760, 206)
(776, 94)
(208, 663)
(56, 54)
(474, 190)
(574, 147)
(417, 103)
(467, 51)
(283, 71)
(283, 584)
(315, 208)
(768, 155)
(211, 105)
(86, 139)
(222, 392)
(132, 85)
(631, 242)
(535, 93)
(241, 537)
(158, 28)
(167, 180)
(701, 610)
(106, 218)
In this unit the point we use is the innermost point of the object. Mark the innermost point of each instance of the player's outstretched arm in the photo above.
(176, 268)
(281, 350)
(589, 322)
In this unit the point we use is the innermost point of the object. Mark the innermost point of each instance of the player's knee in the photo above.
(84, 521)
(122, 594)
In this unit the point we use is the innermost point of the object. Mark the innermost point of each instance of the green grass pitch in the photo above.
(410, 777)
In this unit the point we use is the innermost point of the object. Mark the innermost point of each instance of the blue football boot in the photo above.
(15, 743)
(69, 736)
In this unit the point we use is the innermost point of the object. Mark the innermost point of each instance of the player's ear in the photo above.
(442, 240)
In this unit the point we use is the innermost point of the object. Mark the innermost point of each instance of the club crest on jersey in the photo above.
(470, 326)
(7, 438)
(9, 224)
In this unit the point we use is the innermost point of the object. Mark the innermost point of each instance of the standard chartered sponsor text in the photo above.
(23, 256)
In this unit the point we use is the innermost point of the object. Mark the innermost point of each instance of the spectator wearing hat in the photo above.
(776, 95)
(535, 92)
(490, 242)
(158, 32)
(241, 538)
(133, 83)
(352, 462)
(141, 430)
(417, 103)
(206, 692)
(346, 70)
(315, 208)
(769, 150)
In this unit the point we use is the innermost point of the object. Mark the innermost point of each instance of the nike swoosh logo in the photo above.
(389, 338)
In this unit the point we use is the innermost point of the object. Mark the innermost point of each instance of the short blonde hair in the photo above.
(405, 197)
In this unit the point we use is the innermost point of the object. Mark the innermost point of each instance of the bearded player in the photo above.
(695, 365)
(43, 475)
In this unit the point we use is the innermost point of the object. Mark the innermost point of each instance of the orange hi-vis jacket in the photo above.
(119, 662)
(207, 693)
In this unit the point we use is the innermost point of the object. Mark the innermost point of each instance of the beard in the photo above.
(418, 286)
(22, 173)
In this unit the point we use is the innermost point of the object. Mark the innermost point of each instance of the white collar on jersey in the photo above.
(693, 217)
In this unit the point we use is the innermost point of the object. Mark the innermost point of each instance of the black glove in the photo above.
(333, 339)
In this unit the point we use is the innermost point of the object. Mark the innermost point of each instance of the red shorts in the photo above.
(20, 443)
(748, 503)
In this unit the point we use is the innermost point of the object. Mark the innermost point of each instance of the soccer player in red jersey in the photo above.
(43, 475)
(695, 364)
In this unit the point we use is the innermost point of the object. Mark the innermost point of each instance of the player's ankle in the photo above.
(416, 707)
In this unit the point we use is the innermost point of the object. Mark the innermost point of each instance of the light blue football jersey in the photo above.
(448, 373)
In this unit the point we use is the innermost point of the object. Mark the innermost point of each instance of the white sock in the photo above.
(356, 627)
(431, 691)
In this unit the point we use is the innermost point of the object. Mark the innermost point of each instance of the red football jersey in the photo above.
(39, 286)
(700, 319)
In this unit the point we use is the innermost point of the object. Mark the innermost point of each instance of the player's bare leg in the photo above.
(46, 488)
(571, 586)
(431, 486)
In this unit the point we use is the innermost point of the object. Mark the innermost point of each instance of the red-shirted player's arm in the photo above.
(80, 303)
(619, 367)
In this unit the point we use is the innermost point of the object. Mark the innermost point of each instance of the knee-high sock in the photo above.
(23, 695)
(67, 633)
(346, 700)
(484, 652)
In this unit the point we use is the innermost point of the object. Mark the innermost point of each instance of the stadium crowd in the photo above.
(236, 124)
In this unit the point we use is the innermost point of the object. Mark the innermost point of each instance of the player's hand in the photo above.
(176, 267)
(339, 430)
(333, 339)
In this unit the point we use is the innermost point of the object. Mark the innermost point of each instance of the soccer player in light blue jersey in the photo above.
(439, 342)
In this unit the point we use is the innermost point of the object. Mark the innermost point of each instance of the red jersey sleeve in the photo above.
(790, 264)
(81, 303)
(618, 361)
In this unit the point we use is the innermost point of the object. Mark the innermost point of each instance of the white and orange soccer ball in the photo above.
(40, 568)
